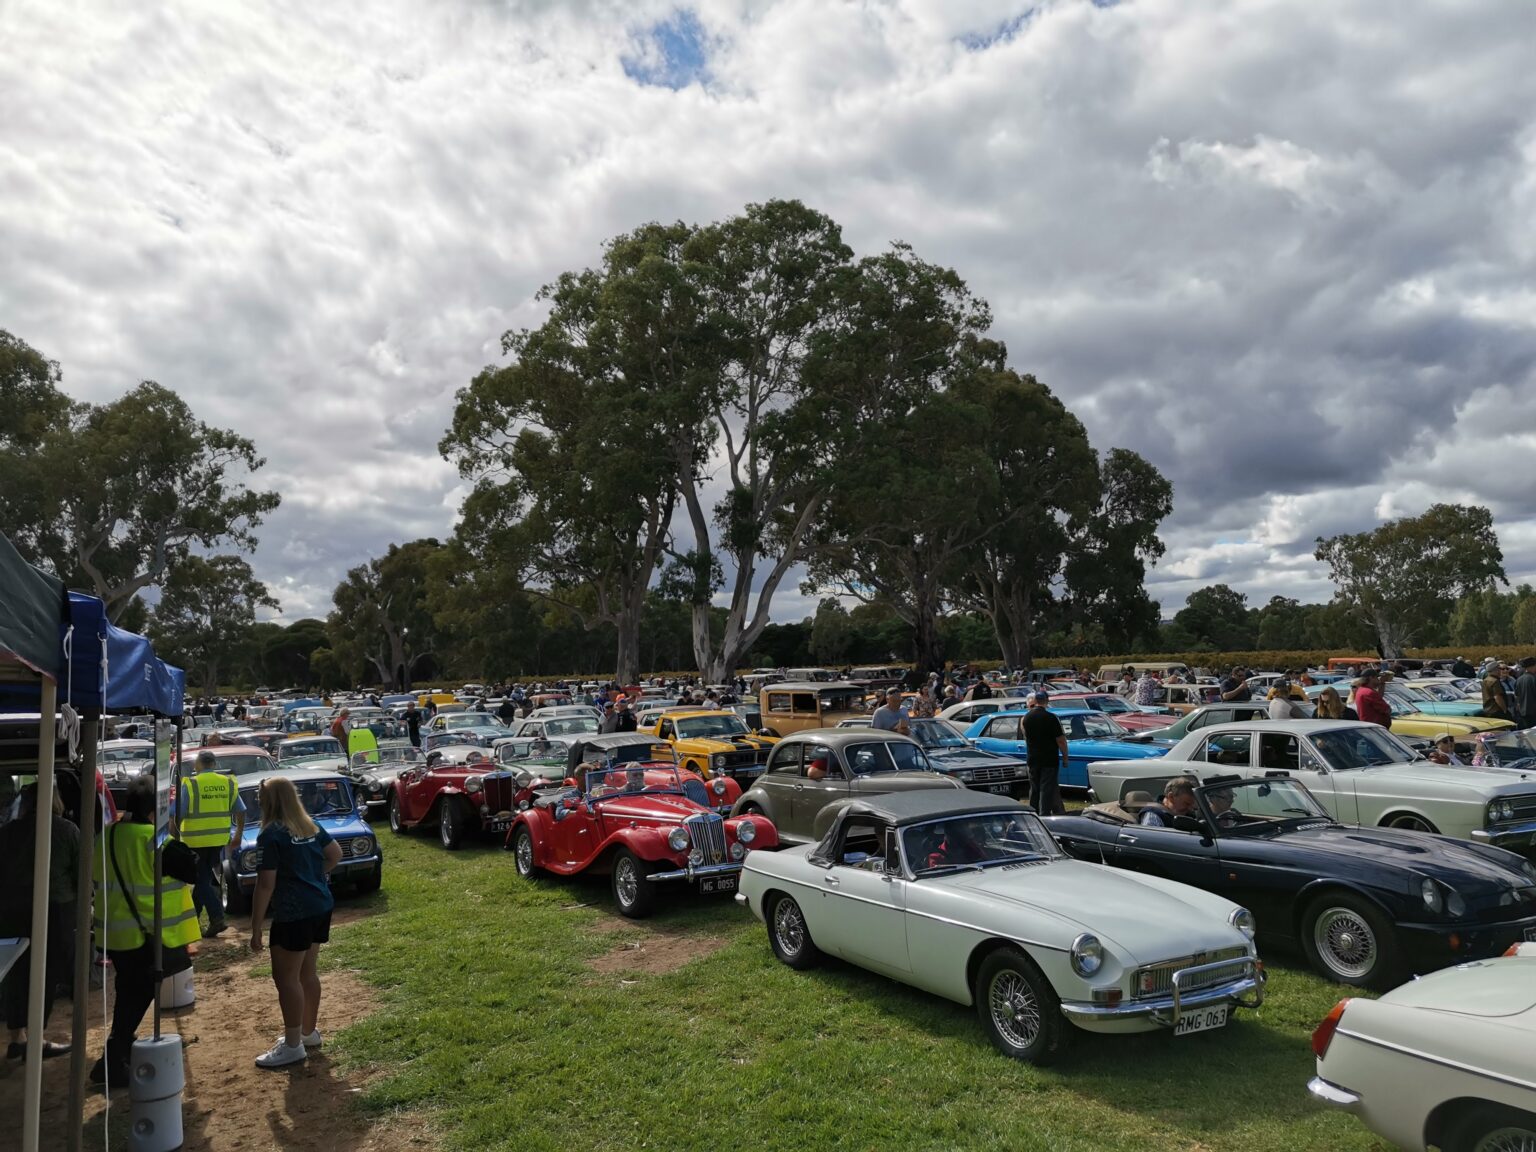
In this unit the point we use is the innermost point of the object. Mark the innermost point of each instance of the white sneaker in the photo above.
(313, 1040)
(280, 1055)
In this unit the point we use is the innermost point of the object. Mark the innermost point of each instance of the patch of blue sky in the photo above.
(999, 34)
(672, 53)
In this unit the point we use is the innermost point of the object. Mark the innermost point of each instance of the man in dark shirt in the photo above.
(1525, 694)
(413, 724)
(1045, 744)
(1235, 686)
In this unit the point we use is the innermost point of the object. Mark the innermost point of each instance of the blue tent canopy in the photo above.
(135, 677)
(31, 606)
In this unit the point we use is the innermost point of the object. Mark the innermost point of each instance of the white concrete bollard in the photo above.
(177, 991)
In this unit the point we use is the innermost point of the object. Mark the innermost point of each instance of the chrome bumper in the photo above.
(1246, 992)
(1332, 1096)
(692, 873)
(1503, 835)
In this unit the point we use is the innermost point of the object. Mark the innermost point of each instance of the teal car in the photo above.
(330, 801)
(1434, 699)
(1091, 736)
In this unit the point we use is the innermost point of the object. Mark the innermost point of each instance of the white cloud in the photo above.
(1282, 249)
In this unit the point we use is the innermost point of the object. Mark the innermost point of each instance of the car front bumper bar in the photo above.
(1508, 835)
(692, 873)
(1246, 992)
(1332, 1096)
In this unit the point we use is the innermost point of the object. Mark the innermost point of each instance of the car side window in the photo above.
(861, 844)
(785, 760)
(665, 731)
(805, 703)
(1004, 728)
(1279, 751)
(778, 702)
(832, 768)
(1227, 748)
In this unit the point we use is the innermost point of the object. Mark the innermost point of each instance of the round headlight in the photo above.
(738, 850)
(717, 786)
(1087, 955)
(248, 860)
(1243, 921)
(696, 857)
(474, 784)
(966, 775)
(717, 760)
(1431, 893)
(1454, 904)
(677, 839)
(746, 832)
(1506, 810)
(362, 846)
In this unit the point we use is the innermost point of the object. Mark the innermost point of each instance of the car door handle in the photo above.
(1128, 839)
(799, 787)
(832, 880)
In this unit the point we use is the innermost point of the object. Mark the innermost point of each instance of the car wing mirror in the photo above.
(1310, 763)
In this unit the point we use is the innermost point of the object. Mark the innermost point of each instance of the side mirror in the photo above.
(1310, 763)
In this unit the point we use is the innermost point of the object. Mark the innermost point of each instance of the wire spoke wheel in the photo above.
(1015, 1008)
(626, 882)
(1507, 1139)
(1345, 942)
(789, 927)
(524, 852)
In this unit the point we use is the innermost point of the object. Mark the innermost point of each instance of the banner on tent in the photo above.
(165, 743)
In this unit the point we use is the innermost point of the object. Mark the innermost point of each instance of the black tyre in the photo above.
(1019, 1009)
(236, 902)
(396, 824)
(788, 934)
(1346, 938)
(371, 882)
(450, 823)
(635, 895)
(1410, 823)
(1490, 1128)
(522, 852)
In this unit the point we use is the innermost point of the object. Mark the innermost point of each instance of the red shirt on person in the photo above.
(1371, 706)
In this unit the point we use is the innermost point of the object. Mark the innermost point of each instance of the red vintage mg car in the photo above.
(642, 821)
(446, 790)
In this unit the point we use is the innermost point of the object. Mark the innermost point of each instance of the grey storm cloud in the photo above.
(1285, 250)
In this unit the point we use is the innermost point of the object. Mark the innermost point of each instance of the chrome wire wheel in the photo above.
(1345, 943)
(626, 880)
(524, 852)
(1507, 1139)
(789, 927)
(1015, 1008)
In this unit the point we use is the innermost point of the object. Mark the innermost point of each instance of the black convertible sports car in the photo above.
(1367, 906)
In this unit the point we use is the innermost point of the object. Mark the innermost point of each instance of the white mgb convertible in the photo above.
(967, 896)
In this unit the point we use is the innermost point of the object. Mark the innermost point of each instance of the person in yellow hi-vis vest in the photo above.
(210, 818)
(125, 912)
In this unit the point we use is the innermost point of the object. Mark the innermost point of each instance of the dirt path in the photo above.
(230, 1104)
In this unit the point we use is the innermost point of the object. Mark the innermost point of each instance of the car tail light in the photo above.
(1322, 1035)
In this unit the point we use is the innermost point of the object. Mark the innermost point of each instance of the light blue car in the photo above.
(1091, 736)
(328, 798)
(1436, 699)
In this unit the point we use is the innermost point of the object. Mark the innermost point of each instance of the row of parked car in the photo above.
(912, 856)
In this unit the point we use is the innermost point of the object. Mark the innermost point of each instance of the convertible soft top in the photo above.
(917, 806)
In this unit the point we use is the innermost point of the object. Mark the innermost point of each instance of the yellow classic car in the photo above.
(1408, 721)
(714, 742)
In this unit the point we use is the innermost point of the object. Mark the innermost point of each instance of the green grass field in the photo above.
(495, 1030)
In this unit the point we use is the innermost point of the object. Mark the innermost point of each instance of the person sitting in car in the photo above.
(817, 768)
(1220, 802)
(1178, 800)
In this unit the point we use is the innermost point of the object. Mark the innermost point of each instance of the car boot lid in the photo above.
(1501, 987)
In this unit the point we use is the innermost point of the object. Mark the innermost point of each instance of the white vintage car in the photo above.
(1361, 773)
(1446, 1060)
(967, 896)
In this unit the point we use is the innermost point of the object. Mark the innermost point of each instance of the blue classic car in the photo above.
(1091, 736)
(328, 797)
(1436, 699)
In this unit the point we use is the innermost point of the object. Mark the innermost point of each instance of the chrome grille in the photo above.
(1524, 806)
(1153, 980)
(706, 832)
(741, 759)
(1001, 775)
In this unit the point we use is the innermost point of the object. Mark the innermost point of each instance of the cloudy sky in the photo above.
(1286, 250)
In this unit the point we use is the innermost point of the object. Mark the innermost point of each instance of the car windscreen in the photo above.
(320, 746)
(1346, 748)
(570, 726)
(319, 797)
(710, 727)
(976, 841)
(1244, 807)
(936, 734)
(121, 755)
(638, 779)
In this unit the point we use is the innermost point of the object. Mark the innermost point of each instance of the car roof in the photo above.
(190, 753)
(616, 739)
(689, 713)
(1054, 712)
(1306, 727)
(306, 739)
(813, 686)
(920, 805)
(838, 737)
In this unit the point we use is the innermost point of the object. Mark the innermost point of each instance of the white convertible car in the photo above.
(1361, 773)
(1444, 1061)
(967, 896)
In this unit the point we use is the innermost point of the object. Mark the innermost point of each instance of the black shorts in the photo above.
(300, 935)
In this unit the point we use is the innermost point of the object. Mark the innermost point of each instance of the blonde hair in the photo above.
(1330, 705)
(280, 805)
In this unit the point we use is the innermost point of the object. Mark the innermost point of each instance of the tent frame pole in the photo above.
(37, 977)
(85, 952)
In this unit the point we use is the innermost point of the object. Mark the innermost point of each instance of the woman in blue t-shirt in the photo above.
(295, 855)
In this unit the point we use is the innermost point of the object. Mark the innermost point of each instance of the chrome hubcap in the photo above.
(394, 815)
(1015, 1010)
(524, 853)
(1507, 1140)
(789, 927)
(626, 883)
(1345, 942)
(446, 823)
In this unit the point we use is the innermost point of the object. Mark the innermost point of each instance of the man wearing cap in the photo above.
(624, 719)
(889, 716)
(610, 722)
(210, 818)
(1495, 699)
(1444, 751)
(1045, 746)
(1369, 703)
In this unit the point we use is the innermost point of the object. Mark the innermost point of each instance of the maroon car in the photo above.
(446, 790)
(645, 824)
(1124, 714)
